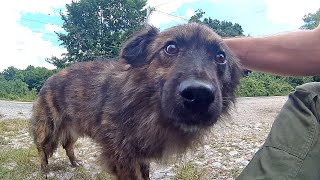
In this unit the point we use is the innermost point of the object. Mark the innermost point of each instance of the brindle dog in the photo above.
(165, 91)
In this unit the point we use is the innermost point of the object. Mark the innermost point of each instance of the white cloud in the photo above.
(52, 28)
(20, 46)
(160, 16)
(63, 11)
(214, 1)
(38, 6)
(190, 12)
(290, 12)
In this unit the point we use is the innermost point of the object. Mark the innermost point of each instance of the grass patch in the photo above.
(82, 173)
(188, 171)
(235, 172)
(3, 141)
(30, 97)
(13, 126)
(18, 163)
(15, 163)
(23, 163)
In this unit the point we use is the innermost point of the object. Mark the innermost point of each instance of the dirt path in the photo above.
(233, 141)
(14, 109)
(223, 155)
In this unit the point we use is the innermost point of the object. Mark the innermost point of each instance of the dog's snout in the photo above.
(197, 95)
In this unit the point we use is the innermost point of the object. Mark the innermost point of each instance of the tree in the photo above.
(10, 73)
(311, 20)
(58, 63)
(223, 28)
(97, 28)
(35, 77)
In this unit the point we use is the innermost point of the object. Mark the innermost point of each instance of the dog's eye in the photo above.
(220, 58)
(171, 48)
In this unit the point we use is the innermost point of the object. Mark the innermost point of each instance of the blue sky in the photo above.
(29, 26)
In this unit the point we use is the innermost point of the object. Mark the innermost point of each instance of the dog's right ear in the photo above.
(135, 50)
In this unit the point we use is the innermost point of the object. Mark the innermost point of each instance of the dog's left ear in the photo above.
(135, 50)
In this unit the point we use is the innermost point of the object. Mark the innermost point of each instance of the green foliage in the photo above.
(24, 84)
(189, 171)
(58, 63)
(20, 160)
(97, 28)
(10, 73)
(251, 87)
(311, 20)
(259, 84)
(296, 81)
(223, 28)
(16, 89)
(34, 77)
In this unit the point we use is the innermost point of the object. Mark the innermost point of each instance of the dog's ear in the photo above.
(135, 50)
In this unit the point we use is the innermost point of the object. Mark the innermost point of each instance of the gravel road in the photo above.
(224, 152)
(14, 109)
(249, 107)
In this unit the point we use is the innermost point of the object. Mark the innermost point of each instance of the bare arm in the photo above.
(293, 53)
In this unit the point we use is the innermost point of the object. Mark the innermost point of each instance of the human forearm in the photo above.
(294, 53)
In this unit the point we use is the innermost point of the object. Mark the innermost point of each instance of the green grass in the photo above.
(235, 172)
(3, 141)
(18, 163)
(13, 126)
(25, 98)
(23, 163)
(15, 163)
(188, 171)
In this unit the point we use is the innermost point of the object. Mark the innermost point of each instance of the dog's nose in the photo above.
(197, 95)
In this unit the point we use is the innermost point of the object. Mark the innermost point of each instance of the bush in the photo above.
(34, 77)
(258, 84)
(297, 81)
(16, 90)
(251, 87)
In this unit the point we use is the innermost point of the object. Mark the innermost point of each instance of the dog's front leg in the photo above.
(131, 170)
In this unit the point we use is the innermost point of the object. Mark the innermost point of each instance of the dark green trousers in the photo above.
(292, 149)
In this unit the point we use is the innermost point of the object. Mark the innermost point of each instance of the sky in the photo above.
(28, 26)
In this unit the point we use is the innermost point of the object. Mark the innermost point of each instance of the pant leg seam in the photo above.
(301, 153)
(311, 139)
(285, 149)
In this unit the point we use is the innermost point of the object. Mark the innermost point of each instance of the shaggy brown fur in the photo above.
(164, 93)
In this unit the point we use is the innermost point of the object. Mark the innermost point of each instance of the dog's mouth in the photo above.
(193, 124)
(189, 121)
(188, 128)
(203, 118)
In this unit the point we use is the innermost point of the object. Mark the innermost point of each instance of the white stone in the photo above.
(233, 153)
(216, 164)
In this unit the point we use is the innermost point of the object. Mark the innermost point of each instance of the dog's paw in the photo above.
(76, 163)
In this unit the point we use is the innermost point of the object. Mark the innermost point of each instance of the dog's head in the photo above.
(195, 71)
